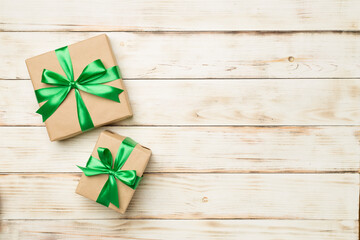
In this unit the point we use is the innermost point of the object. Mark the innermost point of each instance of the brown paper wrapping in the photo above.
(63, 123)
(90, 187)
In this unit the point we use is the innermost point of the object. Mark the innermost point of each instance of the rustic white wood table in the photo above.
(251, 108)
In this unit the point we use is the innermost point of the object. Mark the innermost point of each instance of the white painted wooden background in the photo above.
(251, 108)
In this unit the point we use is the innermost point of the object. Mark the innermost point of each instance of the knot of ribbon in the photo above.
(90, 81)
(109, 192)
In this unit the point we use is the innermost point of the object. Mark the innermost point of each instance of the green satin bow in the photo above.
(109, 192)
(90, 80)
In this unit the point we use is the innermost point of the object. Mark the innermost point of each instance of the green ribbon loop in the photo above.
(109, 192)
(90, 80)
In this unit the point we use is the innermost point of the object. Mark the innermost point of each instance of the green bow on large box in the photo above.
(90, 81)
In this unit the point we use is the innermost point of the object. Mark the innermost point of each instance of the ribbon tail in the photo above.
(84, 117)
(52, 104)
(103, 196)
(109, 193)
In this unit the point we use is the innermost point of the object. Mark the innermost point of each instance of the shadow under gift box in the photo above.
(64, 123)
(90, 187)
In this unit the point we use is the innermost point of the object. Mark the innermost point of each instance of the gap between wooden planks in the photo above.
(180, 229)
(203, 55)
(189, 196)
(178, 15)
(214, 102)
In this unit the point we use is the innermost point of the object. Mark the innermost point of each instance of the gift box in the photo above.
(78, 87)
(113, 171)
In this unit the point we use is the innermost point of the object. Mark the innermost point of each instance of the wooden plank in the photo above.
(194, 149)
(214, 102)
(203, 55)
(179, 229)
(189, 196)
(197, 15)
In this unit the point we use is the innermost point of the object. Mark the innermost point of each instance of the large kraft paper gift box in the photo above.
(97, 175)
(68, 120)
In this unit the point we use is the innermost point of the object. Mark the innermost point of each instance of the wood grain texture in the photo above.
(180, 229)
(197, 15)
(200, 74)
(194, 149)
(189, 196)
(203, 55)
(214, 102)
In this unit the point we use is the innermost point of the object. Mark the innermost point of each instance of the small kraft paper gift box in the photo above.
(78, 87)
(113, 171)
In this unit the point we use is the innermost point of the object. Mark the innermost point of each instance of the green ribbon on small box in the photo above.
(109, 192)
(90, 81)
